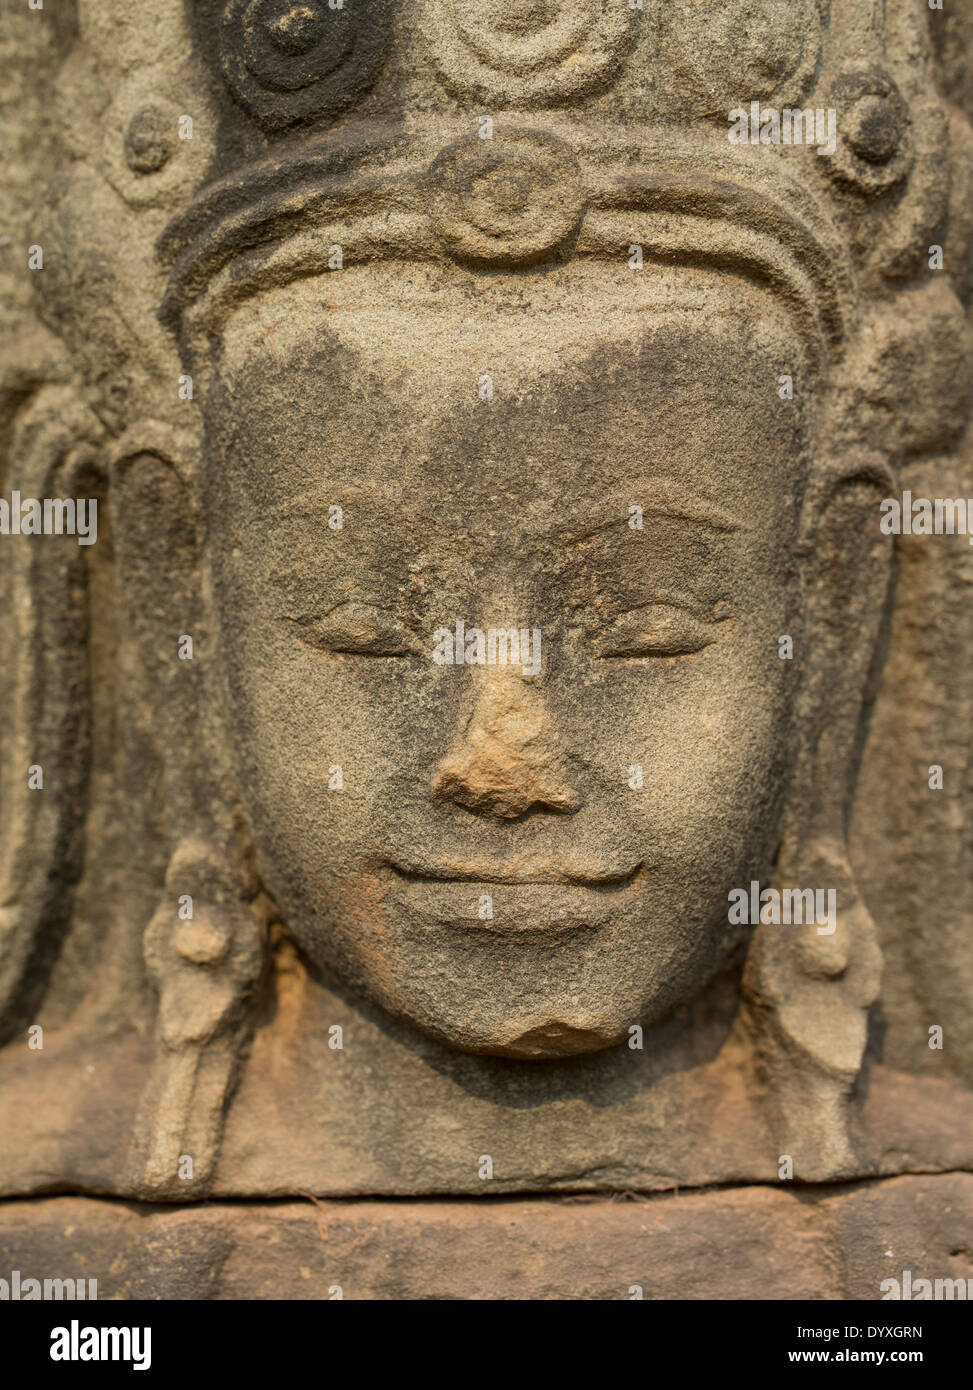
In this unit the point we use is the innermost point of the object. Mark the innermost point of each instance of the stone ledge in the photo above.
(740, 1243)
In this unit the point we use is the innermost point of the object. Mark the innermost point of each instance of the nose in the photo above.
(504, 760)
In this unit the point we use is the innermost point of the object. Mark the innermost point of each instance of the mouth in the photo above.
(530, 897)
(530, 872)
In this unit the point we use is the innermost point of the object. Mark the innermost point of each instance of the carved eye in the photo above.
(657, 629)
(360, 629)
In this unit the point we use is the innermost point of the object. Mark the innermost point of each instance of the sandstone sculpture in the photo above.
(490, 435)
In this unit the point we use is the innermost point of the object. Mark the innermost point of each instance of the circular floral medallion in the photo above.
(295, 60)
(874, 150)
(531, 52)
(152, 152)
(746, 50)
(511, 201)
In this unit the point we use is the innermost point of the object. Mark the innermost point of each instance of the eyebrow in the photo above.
(656, 497)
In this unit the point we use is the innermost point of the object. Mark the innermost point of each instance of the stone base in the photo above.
(786, 1242)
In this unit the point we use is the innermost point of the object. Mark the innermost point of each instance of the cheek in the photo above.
(708, 736)
(322, 741)
(726, 767)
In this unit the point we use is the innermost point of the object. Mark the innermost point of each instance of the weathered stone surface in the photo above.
(491, 585)
(754, 1242)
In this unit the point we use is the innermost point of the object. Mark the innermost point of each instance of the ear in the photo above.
(44, 688)
(204, 947)
(158, 548)
(809, 992)
(848, 562)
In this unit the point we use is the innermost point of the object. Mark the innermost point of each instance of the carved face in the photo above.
(518, 860)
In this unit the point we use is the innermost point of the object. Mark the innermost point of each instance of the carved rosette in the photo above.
(875, 148)
(286, 62)
(144, 156)
(746, 50)
(510, 201)
(536, 52)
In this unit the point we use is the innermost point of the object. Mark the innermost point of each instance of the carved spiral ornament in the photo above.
(511, 201)
(746, 50)
(287, 62)
(875, 147)
(146, 154)
(537, 51)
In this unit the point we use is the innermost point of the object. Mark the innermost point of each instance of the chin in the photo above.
(555, 1039)
(539, 1038)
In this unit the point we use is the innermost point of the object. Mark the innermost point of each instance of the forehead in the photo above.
(559, 391)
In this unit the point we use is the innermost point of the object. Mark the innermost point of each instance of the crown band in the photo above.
(525, 197)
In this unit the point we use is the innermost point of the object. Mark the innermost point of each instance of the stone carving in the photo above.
(767, 50)
(490, 592)
(876, 152)
(288, 62)
(509, 201)
(540, 52)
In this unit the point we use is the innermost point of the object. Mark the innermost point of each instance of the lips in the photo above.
(523, 872)
(531, 897)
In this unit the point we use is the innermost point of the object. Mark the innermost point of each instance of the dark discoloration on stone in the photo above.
(381, 334)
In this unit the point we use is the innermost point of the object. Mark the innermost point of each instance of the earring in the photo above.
(809, 989)
(205, 950)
